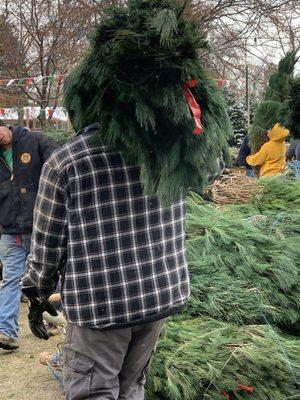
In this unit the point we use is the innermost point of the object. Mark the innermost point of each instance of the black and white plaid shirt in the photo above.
(125, 253)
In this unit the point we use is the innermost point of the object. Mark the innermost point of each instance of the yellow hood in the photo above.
(278, 133)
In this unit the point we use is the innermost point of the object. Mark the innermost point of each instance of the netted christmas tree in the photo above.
(140, 80)
(237, 115)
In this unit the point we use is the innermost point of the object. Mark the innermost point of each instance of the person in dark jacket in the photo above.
(244, 152)
(122, 259)
(22, 155)
(293, 152)
(220, 167)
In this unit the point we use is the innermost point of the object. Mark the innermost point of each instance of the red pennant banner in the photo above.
(194, 106)
(59, 78)
(28, 81)
(2, 111)
(51, 112)
(220, 83)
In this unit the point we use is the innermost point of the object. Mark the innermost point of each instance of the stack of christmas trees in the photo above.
(238, 337)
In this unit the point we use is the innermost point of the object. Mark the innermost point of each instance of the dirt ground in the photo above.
(22, 377)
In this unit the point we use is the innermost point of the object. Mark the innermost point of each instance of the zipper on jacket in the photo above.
(7, 166)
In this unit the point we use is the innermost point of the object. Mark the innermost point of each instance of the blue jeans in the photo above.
(250, 173)
(13, 252)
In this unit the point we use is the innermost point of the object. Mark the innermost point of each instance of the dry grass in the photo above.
(22, 377)
(234, 189)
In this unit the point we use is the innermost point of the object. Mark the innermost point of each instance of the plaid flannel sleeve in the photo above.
(49, 236)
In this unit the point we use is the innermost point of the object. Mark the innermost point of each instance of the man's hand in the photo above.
(35, 315)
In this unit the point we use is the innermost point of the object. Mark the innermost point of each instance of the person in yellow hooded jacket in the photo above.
(271, 157)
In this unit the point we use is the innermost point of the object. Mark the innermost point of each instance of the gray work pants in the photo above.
(108, 365)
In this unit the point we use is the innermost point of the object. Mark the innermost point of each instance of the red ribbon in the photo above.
(247, 389)
(194, 106)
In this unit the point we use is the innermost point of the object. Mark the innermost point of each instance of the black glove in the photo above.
(35, 315)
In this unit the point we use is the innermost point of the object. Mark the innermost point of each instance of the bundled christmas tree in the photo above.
(143, 82)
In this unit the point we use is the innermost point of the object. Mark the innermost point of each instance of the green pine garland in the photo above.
(130, 82)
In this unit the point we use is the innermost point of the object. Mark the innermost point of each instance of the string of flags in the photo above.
(221, 83)
(59, 113)
(58, 78)
(29, 81)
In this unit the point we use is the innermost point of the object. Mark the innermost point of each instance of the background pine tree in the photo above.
(237, 114)
(280, 103)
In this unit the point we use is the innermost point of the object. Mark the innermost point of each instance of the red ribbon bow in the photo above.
(194, 106)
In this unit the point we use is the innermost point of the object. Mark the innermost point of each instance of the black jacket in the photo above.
(18, 188)
(244, 152)
(293, 150)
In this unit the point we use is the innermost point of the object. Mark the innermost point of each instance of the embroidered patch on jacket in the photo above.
(25, 158)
